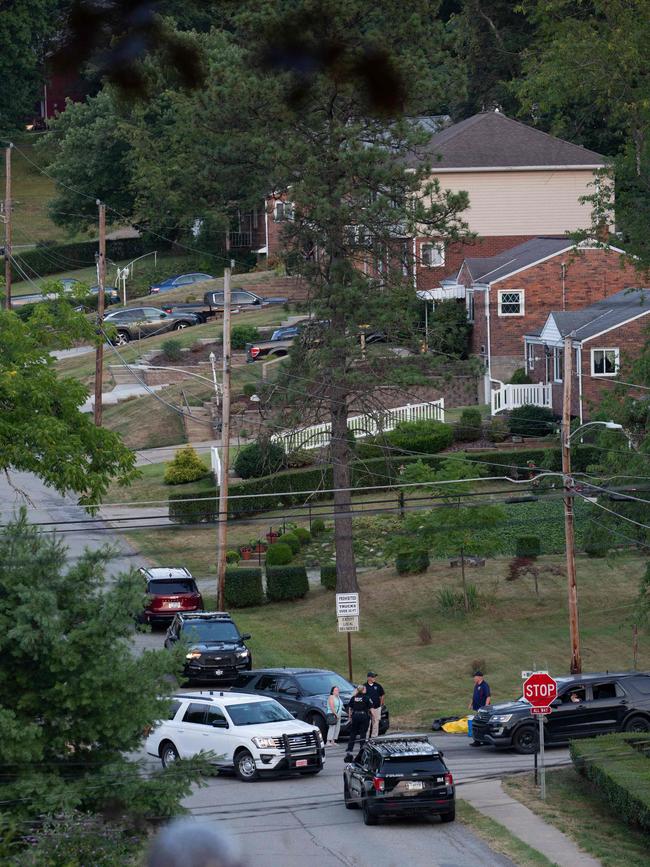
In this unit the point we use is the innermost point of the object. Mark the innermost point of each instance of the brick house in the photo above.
(604, 336)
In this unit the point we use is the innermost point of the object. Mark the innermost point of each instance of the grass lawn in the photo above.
(573, 806)
(144, 423)
(498, 838)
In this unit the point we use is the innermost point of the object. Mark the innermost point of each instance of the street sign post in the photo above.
(540, 690)
(347, 612)
(348, 623)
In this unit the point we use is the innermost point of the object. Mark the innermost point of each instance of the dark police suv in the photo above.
(215, 647)
(398, 775)
(586, 705)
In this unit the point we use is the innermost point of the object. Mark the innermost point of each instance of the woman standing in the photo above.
(334, 708)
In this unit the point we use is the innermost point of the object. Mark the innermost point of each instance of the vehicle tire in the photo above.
(245, 767)
(168, 754)
(524, 741)
(122, 338)
(349, 803)
(369, 816)
(316, 719)
(448, 817)
(637, 723)
(180, 325)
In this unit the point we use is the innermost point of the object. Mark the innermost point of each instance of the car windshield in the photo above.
(210, 630)
(164, 588)
(257, 712)
(322, 683)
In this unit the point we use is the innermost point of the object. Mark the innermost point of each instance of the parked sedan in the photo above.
(135, 323)
(245, 298)
(304, 692)
(178, 281)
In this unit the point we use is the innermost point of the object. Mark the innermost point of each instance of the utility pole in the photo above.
(222, 529)
(7, 222)
(569, 535)
(101, 277)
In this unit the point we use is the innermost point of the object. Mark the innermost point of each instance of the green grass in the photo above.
(498, 838)
(574, 806)
(144, 423)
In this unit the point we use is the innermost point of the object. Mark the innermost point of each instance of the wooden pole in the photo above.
(569, 534)
(350, 657)
(222, 530)
(8, 227)
(99, 351)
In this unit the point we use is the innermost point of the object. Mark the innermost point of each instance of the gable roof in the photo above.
(493, 268)
(491, 140)
(600, 317)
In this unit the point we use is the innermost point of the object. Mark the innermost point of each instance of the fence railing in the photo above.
(318, 435)
(507, 396)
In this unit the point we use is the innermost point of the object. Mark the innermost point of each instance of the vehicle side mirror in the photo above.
(220, 724)
(163, 316)
(293, 691)
(257, 301)
(246, 636)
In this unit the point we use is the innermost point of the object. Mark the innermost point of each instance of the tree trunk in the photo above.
(346, 570)
(462, 576)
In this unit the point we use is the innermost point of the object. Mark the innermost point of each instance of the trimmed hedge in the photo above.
(243, 587)
(46, 259)
(317, 526)
(259, 459)
(278, 555)
(412, 563)
(470, 426)
(303, 534)
(328, 576)
(618, 772)
(528, 546)
(286, 582)
(291, 540)
(532, 421)
(426, 437)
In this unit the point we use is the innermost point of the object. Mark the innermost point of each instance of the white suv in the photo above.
(249, 733)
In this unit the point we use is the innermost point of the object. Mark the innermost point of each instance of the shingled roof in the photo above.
(491, 140)
(602, 316)
(492, 268)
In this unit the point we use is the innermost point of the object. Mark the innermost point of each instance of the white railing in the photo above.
(507, 397)
(318, 435)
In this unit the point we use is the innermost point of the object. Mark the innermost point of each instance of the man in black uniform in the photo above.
(359, 714)
(375, 692)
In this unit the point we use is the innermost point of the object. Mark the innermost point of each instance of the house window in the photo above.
(558, 364)
(432, 255)
(605, 362)
(511, 303)
(283, 211)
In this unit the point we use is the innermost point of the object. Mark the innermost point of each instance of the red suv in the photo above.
(168, 592)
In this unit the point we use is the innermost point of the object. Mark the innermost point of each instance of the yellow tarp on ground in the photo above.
(458, 726)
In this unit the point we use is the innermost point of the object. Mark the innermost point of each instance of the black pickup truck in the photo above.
(213, 303)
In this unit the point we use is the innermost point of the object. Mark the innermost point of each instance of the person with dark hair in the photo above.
(191, 843)
(334, 710)
(480, 697)
(359, 715)
(375, 692)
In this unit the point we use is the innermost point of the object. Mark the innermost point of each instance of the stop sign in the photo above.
(540, 689)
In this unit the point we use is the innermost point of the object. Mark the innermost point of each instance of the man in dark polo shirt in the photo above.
(375, 693)
(480, 697)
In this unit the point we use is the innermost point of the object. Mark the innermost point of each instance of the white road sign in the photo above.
(349, 624)
(347, 604)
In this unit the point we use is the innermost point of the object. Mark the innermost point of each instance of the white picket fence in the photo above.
(318, 435)
(507, 396)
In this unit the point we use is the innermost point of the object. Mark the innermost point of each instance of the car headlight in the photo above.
(193, 654)
(265, 743)
(243, 654)
(501, 718)
(320, 735)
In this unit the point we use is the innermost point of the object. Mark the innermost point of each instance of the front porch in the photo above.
(506, 396)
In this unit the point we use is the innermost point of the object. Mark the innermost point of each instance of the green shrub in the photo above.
(424, 437)
(520, 377)
(470, 426)
(249, 389)
(497, 429)
(317, 526)
(328, 576)
(528, 546)
(303, 534)
(532, 421)
(233, 556)
(597, 541)
(449, 329)
(452, 602)
(171, 349)
(240, 335)
(279, 554)
(185, 467)
(412, 562)
(292, 541)
(262, 458)
(243, 587)
(618, 773)
(299, 458)
(286, 582)
(46, 258)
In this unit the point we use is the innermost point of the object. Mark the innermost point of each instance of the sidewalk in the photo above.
(489, 798)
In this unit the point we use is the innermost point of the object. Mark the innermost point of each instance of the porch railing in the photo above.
(508, 396)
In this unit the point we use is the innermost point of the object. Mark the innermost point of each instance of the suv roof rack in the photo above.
(404, 745)
(204, 615)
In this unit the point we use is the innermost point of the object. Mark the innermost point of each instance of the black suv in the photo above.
(586, 705)
(304, 692)
(399, 775)
(215, 647)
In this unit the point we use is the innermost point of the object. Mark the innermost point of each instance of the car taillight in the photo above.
(254, 351)
(379, 783)
(449, 780)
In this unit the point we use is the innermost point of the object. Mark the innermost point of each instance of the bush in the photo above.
(243, 587)
(278, 555)
(292, 541)
(497, 430)
(46, 259)
(286, 582)
(412, 562)
(528, 546)
(596, 540)
(449, 329)
(328, 576)
(453, 602)
(171, 349)
(520, 377)
(233, 556)
(262, 458)
(240, 335)
(303, 534)
(423, 437)
(317, 526)
(249, 389)
(531, 421)
(186, 467)
(470, 426)
(299, 458)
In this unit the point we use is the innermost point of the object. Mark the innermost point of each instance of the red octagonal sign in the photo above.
(540, 689)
